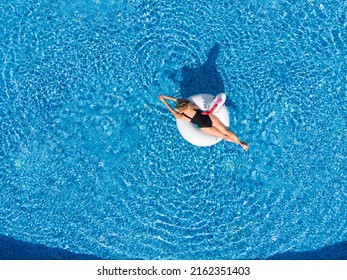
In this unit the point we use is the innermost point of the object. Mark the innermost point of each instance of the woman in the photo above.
(210, 124)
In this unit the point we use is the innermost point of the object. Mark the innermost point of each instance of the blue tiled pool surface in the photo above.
(92, 164)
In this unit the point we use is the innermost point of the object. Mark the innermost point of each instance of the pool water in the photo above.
(91, 161)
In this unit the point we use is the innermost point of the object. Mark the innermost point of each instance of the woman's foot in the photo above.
(244, 146)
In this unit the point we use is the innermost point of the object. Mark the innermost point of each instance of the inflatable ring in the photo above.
(206, 102)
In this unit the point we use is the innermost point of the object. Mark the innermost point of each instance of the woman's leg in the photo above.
(215, 132)
(223, 129)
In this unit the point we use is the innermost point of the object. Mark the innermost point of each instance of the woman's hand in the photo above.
(161, 97)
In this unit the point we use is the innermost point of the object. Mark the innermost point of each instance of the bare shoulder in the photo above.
(179, 116)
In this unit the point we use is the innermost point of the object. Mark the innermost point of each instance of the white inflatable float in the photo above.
(213, 105)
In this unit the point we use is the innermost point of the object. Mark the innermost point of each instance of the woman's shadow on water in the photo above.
(202, 79)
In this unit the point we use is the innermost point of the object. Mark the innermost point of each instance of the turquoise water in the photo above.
(91, 161)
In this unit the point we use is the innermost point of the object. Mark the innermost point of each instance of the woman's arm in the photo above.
(169, 97)
(162, 99)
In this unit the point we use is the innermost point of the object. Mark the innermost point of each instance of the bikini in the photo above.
(199, 119)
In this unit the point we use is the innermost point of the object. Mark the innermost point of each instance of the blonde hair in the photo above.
(183, 104)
